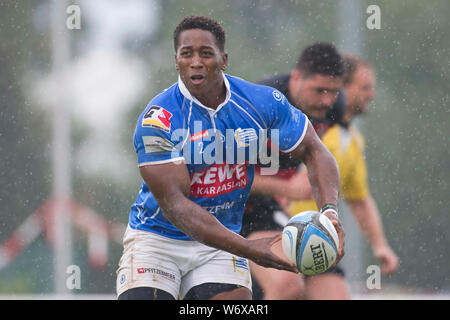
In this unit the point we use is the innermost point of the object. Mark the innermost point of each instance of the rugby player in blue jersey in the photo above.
(195, 149)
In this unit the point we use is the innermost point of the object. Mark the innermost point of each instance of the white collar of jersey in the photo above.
(188, 95)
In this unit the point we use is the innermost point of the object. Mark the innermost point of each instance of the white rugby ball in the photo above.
(310, 241)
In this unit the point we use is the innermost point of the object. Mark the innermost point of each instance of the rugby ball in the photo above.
(310, 241)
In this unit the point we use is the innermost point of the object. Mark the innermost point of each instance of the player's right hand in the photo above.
(388, 259)
(260, 252)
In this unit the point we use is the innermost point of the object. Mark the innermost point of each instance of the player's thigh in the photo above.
(218, 291)
(241, 293)
(148, 261)
(145, 293)
(327, 286)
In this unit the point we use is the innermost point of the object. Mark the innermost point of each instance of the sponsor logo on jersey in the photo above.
(277, 95)
(157, 117)
(244, 136)
(220, 208)
(219, 179)
(199, 135)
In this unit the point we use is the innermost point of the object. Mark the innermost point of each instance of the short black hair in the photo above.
(320, 58)
(203, 23)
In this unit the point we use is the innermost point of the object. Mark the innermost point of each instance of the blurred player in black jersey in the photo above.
(347, 145)
(313, 86)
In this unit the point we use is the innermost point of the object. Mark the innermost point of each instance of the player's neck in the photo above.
(215, 97)
(347, 117)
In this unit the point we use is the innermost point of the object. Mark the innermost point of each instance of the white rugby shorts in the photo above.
(175, 266)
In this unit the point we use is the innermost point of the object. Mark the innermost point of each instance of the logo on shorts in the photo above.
(162, 273)
(122, 278)
(240, 265)
(141, 270)
(157, 117)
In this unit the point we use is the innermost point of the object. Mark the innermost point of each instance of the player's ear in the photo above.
(224, 61)
(176, 62)
(295, 74)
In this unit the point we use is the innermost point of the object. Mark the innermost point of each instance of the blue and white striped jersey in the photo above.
(219, 146)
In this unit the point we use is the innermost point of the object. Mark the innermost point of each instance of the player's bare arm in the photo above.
(323, 174)
(368, 217)
(170, 184)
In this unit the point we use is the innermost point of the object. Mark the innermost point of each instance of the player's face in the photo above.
(315, 94)
(360, 91)
(200, 63)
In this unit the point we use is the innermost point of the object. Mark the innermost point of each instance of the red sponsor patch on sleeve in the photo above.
(157, 117)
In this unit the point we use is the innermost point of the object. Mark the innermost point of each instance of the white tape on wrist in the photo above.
(333, 211)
